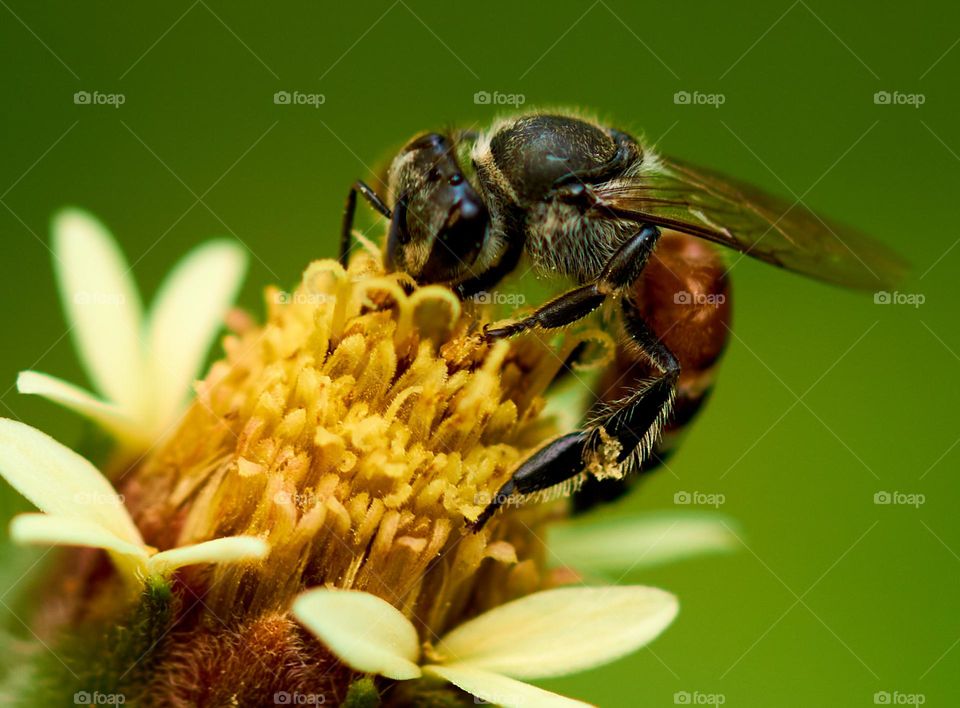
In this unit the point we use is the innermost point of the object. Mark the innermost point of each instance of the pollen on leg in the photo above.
(604, 461)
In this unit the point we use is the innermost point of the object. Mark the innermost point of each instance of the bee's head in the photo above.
(439, 222)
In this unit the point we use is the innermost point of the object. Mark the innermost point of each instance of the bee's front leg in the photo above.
(349, 210)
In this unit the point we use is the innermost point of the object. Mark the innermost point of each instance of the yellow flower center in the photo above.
(359, 431)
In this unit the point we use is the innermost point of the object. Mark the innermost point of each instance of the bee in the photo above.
(592, 205)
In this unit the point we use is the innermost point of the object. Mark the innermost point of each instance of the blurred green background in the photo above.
(825, 398)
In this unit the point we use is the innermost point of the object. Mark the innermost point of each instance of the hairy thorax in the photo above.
(564, 241)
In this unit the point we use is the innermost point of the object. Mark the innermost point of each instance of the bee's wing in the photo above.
(704, 203)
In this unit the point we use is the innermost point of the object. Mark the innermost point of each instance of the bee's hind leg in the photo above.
(634, 425)
(636, 422)
(558, 462)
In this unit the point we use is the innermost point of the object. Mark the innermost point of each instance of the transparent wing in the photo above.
(700, 202)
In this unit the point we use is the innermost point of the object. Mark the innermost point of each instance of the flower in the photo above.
(355, 434)
(142, 366)
(358, 431)
(545, 634)
(81, 508)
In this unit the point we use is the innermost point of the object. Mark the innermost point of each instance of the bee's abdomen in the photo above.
(684, 297)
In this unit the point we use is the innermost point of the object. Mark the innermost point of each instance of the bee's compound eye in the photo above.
(433, 175)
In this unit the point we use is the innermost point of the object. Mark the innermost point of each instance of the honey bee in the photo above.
(588, 203)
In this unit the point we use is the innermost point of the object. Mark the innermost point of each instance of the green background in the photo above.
(825, 398)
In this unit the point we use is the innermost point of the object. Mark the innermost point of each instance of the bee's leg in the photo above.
(557, 462)
(621, 270)
(635, 424)
(350, 208)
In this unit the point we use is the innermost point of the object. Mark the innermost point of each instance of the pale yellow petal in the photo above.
(230, 549)
(53, 530)
(107, 415)
(560, 631)
(619, 545)
(186, 315)
(50, 530)
(366, 632)
(500, 690)
(102, 305)
(59, 481)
